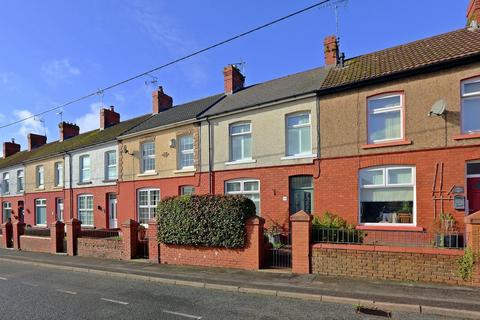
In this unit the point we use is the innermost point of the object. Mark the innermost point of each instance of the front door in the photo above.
(112, 210)
(301, 194)
(20, 211)
(473, 194)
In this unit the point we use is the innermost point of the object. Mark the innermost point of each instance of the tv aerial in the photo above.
(152, 81)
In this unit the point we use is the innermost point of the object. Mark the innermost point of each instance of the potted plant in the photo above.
(447, 235)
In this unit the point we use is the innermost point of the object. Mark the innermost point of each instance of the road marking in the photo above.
(66, 291)
(114, 301)
(30, 284)
(182, 315)
(4, 279)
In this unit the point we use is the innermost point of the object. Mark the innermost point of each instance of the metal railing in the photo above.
(37, 232)
(279, 250)
(451, 240)
(99, 233)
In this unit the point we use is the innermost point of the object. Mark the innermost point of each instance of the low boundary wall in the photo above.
(35, 244)
(106, 248)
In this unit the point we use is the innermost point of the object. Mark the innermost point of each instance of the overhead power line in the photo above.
(147, 73)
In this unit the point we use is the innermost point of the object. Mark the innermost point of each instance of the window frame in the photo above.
(400, 108)
(108, 166)
(242, 191)
(22, 183)
(59, 174)
(385, 184)
(59, 201)
(82, 169)
(147, 157)
(182, 190)
(230, 138)
(43, 204)
(287, 127)
(86, 195)
(6, 182)
(40, 176)
(467, 96)
(4, 207)
(149, 206)
(180, 153)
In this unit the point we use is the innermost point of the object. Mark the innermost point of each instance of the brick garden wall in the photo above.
(388, 263)
(1, 241)
(35, 244)
(100, 248)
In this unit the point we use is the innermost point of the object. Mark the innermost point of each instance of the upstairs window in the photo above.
(185, 152)
(148, 157)
(40, 176)
(299, 135)
(6, 183)
(20, 181)
(85, 169)
(241, 141)
(111, 165)
(58, 174)
(385, 118)
(471, 106)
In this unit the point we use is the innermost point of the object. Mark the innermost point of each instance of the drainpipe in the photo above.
(70, 178)
(210, 185)
(317, 102)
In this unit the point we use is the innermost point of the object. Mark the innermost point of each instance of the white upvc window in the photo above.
(471, 106)
(85, 209)
(186, 190)
(387, 195)
(299, 134)
(147, 201)
(6, 183)
(40, 176)
(41, 212)
(59, 209)
(58, 174)
(20, 181)
(246, 187)
(241, 141)
(85, 173)
(6, 211)
(111, 165)
(185, 152)
(385, 117)
(148, 157)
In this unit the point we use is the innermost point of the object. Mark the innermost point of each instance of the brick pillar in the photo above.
(301, 234)
(130, 239)
(472, 230)
(57, 233)
(73, 230)
(255, 240)
(6, 234)
(18, 229)
(153, 247)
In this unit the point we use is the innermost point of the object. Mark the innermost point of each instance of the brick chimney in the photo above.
(233, 79)
(473, 12)
(161, 101)
(108, 117)
(68, 130)
(35, 141)
(10, 148)
(331, 50)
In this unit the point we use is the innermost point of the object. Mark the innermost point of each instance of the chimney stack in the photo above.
(35, 141)
(233, 79)
(10, 148)
(161, 101)
(331, 50)
(68, 130)
(473, 12)
(108, 117)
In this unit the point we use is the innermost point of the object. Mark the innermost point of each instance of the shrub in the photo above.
(204, 220)
(334, 229)
(466, 264)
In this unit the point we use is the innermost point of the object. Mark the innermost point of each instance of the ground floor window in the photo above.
(41, 212)
(301, 194)
(59, 209)
(85, 209)
(247, 188)
(6, 211)
(147, 200)
(387, 195)
(184, 190)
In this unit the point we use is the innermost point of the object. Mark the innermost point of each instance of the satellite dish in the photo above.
(438, 108)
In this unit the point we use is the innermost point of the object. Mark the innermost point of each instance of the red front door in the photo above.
(473, 194)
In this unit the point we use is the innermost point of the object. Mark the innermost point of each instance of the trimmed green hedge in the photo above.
(204, 220)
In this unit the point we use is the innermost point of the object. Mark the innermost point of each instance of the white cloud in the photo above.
(31, 125)
(91, 120)
(57, 71)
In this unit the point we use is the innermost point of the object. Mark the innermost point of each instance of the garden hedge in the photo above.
(204, 220)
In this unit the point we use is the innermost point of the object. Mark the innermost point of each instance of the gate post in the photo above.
(74, 227)
(153, 247)
(472, 226)
(18, 229)
(301, 235)
(130, 239)
(57, 232)
(6, 234)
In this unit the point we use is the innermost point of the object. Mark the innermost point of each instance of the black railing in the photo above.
(279, 250)
(37, 232)
(99, 233)
(450, 240)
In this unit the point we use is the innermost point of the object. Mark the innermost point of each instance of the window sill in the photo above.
(239, 162)
(84, 183)
(39, 188)
(109, 180)
(186, 170)
(466, 136)
(58, 187)
(384, 227)
(387, 144)
(148, 174)
(300, 156)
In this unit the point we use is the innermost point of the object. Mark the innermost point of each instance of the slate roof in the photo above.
(82, 140)
(447, 47)
(183, 112)
(270, 91)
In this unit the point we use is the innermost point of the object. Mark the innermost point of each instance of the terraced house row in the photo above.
(387, 140)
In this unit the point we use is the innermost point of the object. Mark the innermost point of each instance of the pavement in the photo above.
(401, 298)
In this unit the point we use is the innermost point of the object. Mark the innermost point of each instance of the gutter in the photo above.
(210, 156)
(317, 105)
(152, 130)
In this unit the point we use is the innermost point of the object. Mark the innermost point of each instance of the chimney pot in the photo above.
(35, 141)
(10, 148)
(473, 12)
(68, 130)
(233, 79)
(108, 117)
(161, 100)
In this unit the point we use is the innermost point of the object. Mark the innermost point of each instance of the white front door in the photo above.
(112, 210)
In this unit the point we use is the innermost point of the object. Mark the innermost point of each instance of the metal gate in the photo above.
(279, 251)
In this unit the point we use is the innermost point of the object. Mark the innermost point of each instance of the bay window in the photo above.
(185, 152)
(240, 142)
(147, 201)
(385, 118)
(148, 157)
(85, 209)
(299, 134)
(41, 212)
(247, 188)
(387, 195)
(471, 106)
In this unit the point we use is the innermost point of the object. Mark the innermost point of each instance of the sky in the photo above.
(52, 51)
